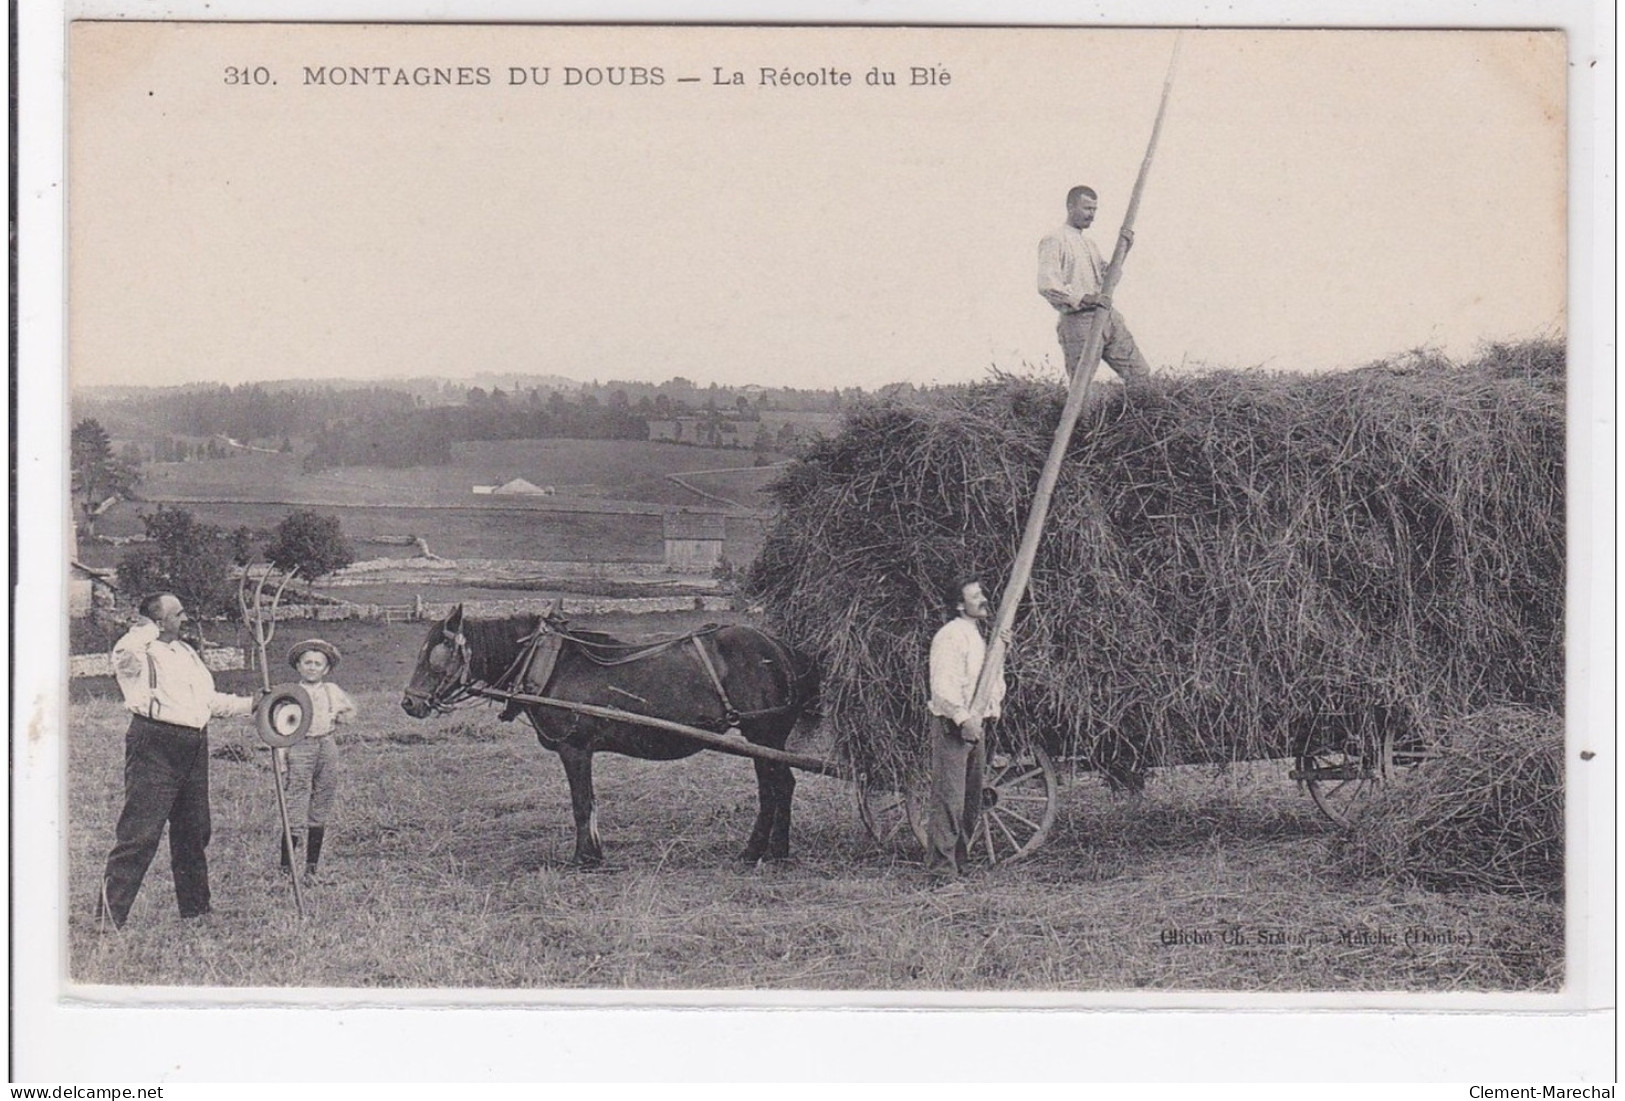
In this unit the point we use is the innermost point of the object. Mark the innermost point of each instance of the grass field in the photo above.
(469, 532)
(610, 497)
(608, 470)
(445, 868)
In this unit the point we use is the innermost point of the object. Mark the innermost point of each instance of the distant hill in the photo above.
(417, 384)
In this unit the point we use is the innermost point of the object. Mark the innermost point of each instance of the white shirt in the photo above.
(957, 653)
(1069, 267)
(329, 706)
(168, 681)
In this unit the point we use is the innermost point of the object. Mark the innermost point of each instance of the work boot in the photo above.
(287, 858)
(313, 851)
(106, 918)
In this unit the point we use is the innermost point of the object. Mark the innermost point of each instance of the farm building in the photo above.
(516, 487)
(694, 540)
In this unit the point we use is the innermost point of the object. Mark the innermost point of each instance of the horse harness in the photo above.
(540, 651)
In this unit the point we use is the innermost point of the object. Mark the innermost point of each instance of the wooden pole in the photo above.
(279, 757)
(1021, 571)
(736, 747)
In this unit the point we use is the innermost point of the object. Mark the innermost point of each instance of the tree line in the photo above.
(415, 423)
(387, 426)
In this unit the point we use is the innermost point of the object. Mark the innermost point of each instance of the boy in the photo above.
(313, 764)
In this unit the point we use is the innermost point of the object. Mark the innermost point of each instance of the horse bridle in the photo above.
(454, 686)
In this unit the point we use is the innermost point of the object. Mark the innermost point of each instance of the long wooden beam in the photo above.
(737, 747)
(1021, 572)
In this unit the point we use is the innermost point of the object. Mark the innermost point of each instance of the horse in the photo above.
(716, 678)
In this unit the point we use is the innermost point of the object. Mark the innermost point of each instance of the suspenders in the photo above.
(152, 684)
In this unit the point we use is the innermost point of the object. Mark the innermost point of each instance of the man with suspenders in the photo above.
(171, 697)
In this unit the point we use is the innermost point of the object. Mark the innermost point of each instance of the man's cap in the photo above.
(320, 645)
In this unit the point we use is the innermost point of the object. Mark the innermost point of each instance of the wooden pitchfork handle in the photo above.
(279, 757)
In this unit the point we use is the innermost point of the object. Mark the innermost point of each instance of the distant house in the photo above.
(239, 445)
(517, 487)
(694, 540)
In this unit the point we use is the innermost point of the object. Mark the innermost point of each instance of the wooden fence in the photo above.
(217, 658)
(571, 605)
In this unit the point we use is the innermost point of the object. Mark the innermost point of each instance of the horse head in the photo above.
(442, 672)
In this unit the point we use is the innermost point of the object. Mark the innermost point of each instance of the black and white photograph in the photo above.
(917, 517)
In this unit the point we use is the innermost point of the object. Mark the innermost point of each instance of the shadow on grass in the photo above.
(446, 733)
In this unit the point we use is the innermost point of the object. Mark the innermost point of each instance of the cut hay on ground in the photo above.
(1234, 561)
(1487, 815)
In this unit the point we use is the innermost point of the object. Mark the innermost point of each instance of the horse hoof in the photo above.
(750, 856)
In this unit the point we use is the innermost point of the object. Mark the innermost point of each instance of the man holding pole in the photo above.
(1070, 279)
(1070, 275)
(170, 695)
(957, 730)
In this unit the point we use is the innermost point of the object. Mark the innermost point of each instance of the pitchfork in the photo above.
(264, 627)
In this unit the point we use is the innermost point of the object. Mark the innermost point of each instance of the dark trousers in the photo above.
(1118, 348)
(956, 798)
(166, 780)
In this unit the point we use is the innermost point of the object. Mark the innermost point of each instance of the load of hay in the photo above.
(1231, 558)
(1486, 815)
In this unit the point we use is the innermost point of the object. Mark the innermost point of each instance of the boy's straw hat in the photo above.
(318, 645)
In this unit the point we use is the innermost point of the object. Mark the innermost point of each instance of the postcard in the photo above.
(597, 522)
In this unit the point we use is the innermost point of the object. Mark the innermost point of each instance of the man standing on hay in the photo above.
(1070, 274)
(958, 753)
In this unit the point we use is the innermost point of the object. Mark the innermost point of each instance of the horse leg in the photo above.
(756, 847)
(778, 846)
(775, 788)
(770, 837)
(578, 770)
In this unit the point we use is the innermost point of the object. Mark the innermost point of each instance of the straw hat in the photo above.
(283, 716)
(318, 645)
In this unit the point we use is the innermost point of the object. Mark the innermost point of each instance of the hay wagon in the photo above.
(1339, 764)
(1252, 566)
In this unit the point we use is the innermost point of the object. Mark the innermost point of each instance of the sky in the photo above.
(1318, 199)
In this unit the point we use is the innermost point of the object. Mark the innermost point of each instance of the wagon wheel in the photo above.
(1341, 779)
(1020, 798)
(893, 811)
(1338, 781)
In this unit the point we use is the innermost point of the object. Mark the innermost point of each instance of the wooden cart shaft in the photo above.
(737, 747)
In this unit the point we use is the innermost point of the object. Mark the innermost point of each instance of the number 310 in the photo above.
(257, 75)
